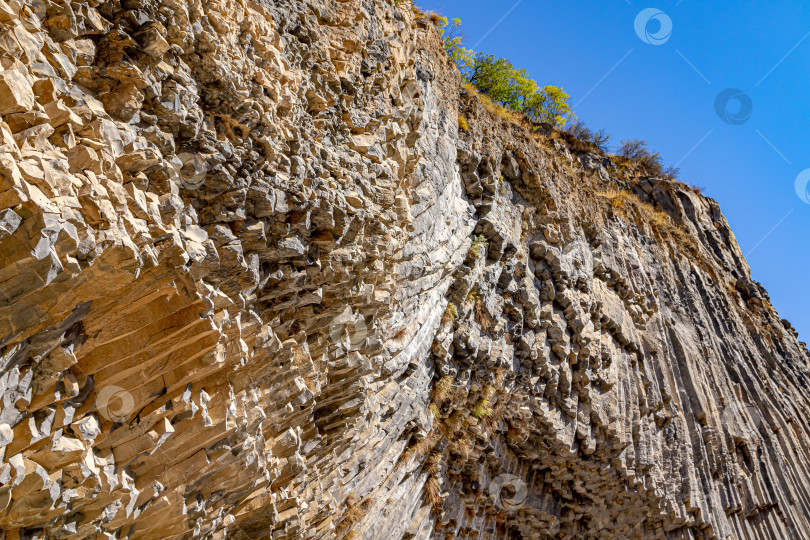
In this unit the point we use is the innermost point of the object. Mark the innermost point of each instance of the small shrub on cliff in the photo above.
(420, 449)
(435, 18)
(442, 388)
(483, 407)
(479, 244)
(672, 173)
(462, 123)
(433, 494)
(599, 140)
(355, 509)
(434, 462)
(637, 150)
(623, 200)
(450, 313)
(491, 106)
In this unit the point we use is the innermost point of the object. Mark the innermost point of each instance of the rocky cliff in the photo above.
(255, 282)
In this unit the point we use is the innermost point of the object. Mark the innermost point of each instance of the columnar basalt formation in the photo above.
(256, 283)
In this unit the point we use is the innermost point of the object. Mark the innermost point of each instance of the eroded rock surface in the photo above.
(255, 283)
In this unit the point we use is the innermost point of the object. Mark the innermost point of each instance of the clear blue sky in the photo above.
(666, 93)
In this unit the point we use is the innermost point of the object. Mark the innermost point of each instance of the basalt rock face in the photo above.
(256, 283)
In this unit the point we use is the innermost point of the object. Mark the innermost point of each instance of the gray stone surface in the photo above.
(255, 283)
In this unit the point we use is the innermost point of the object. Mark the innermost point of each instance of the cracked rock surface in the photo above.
(256, 283)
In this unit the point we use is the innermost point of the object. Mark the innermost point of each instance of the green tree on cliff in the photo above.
(450, 31)
(506, 85)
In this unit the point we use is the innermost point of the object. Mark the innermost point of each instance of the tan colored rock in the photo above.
(7, 13)
(21, 121)
(122, 101)
(152, 41)
(9, 172)
(60, 114)
(62, 26)
(34, 136)
(63, 136)
(16, 94)
(83, 157)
